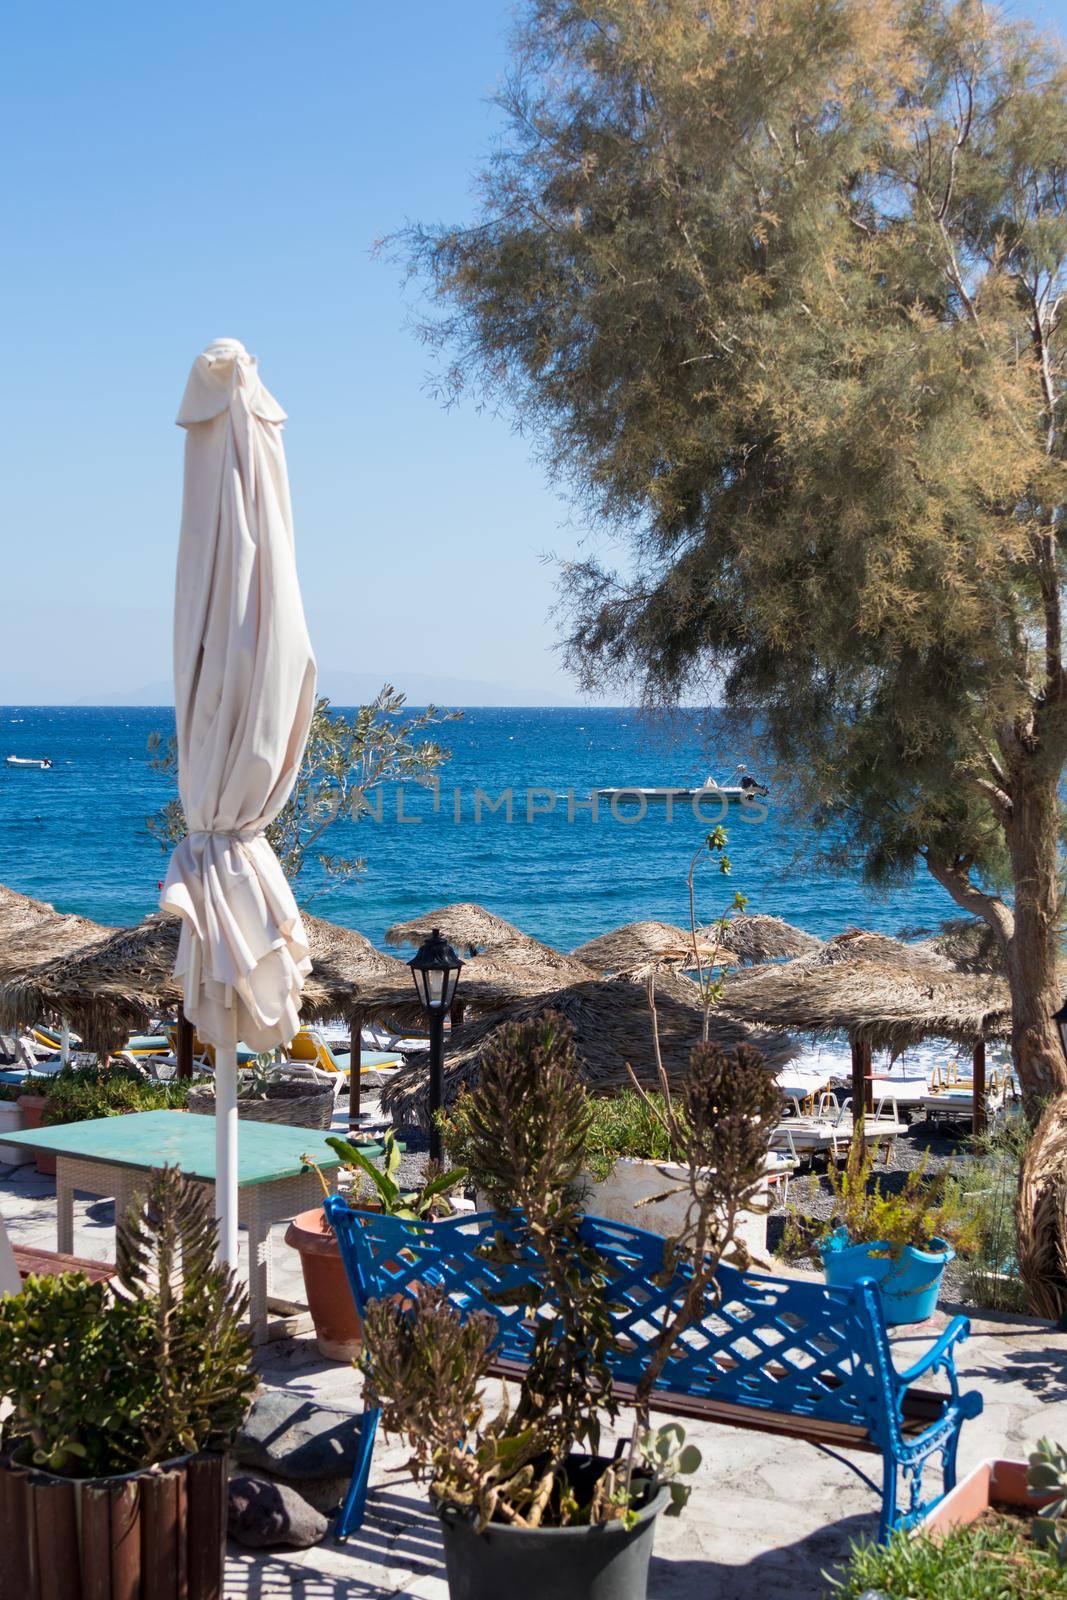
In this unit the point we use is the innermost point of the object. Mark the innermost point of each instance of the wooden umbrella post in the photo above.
(355, 1071)
(185, 1046)
(978, 1107)
(861, 1059)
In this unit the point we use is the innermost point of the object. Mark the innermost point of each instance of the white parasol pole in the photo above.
(226, 1153)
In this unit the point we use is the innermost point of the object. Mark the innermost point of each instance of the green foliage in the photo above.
(1048, 1475)
(990, 1560)
(917, 1213)
(779, 289)
(413, 1205)
(11, 1091)
(625, 1124)
(664, 1453)
(80, 1094)
(346, 760)
(985, 1189)
(105, 1379)
(524, 1130)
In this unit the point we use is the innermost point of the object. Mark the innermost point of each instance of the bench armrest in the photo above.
(957, 1329)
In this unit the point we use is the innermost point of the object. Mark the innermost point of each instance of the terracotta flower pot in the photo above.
(989, 1483)
(338, 1330)
(32, 1108)
(11, 1121)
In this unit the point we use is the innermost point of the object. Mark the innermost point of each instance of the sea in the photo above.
(510, 826)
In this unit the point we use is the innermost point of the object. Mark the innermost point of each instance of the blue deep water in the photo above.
(76, 835)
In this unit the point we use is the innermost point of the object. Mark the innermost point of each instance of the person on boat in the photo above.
(750, 785)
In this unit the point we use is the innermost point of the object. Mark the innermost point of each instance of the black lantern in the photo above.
(1060, 1019)
(435, 968)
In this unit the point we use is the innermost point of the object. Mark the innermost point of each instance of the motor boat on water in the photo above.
(42, 763)
(746, 791)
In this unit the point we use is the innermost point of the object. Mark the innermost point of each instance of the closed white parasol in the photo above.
(244, 693)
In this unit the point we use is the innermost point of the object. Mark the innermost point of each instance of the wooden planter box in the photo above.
(989, 1483)
(153, 1535)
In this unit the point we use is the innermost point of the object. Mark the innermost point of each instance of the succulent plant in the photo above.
(1048, 1475)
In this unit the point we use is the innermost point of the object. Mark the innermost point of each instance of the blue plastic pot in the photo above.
(909, 1281)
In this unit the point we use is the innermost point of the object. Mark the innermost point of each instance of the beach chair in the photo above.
(311, 1047)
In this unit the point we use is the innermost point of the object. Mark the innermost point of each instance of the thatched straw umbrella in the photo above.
(644, 944)
(882, 994)
(612, 1029)
(969, 944)
(122, 981)
(32, 931)
(471, 928)
(501, 962)
(760, 937)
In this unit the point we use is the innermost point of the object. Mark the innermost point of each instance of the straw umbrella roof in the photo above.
(119, 984)
(968, 943)
(501, 962)
(612, 1028)
(644, 944)
(122, 981)
(471, 928)
(759, 937)
(874, 989)
(33, 930)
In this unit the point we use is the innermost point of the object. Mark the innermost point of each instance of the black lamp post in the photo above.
(1060, 1019)
(435, 968)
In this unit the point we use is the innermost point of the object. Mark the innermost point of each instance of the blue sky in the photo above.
(172, 174)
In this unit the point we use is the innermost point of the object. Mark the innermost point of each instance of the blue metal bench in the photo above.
(790, 1358)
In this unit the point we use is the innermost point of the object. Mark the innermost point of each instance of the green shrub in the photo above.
(991, 1560)
(922, 1210)
(986, 1188)
(624, 1125)
(11, 1091)
(84, 1093)
(619, 1125)
(103, 1382)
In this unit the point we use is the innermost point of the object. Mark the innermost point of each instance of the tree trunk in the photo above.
(1041, 1207)
(1032, 835)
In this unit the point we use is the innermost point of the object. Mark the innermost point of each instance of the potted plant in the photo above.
(81, 1094)
(634, 1173)
(270, 1092)
(11, 1120)
(529, 1504)
(121, 1400)
(333, 1311)
(903, 1240)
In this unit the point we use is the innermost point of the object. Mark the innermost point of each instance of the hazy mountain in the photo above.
(357, 688)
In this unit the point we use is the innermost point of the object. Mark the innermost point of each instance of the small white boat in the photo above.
(41, 762)
(747, 792)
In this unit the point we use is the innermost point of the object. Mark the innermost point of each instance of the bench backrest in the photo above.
(763, 1342)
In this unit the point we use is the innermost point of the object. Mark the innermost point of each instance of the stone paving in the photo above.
(767, 1518)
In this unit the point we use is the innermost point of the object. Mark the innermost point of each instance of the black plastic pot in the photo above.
(605, 1562)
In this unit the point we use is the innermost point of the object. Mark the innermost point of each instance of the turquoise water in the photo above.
(76, 835)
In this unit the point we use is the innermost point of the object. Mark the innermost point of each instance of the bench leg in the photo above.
(355, 1505)
(889, 1499)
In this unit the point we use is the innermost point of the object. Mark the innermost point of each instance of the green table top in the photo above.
(266, 1151)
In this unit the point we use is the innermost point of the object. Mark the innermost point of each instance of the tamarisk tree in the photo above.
(778, 288)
